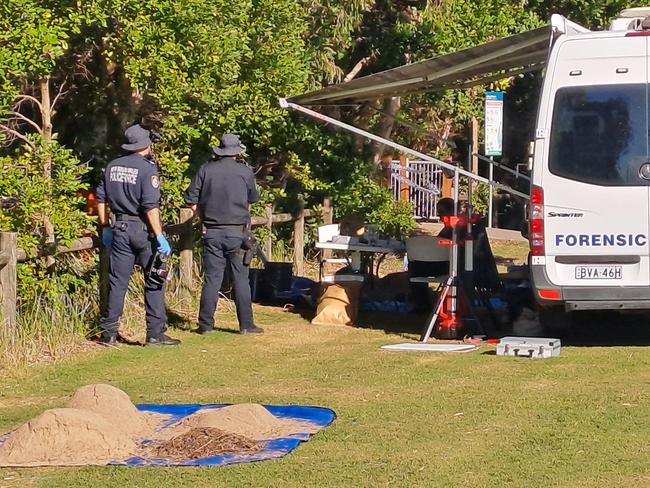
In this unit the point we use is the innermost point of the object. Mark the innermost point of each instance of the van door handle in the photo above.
(644, 171)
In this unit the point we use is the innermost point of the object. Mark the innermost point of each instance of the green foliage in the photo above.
(480, 199)
(446, 27)
(42, 198)
(331, 34)
(33, 36)
(367, 198)
(210, 69)
(593, 14)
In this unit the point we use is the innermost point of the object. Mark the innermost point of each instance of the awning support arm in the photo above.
(312, 113)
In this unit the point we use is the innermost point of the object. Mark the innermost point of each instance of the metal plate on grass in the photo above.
(422, 347)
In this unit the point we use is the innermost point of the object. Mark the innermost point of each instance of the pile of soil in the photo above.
(102, 425)
(204, 442)
(66, 436)
(246, 419)
(115, 406)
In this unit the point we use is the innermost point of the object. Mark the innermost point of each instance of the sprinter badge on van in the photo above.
(566, 214)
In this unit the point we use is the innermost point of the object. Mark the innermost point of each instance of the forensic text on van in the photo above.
(601, 240)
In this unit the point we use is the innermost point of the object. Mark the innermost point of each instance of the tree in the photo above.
(593, 14)
(32, 45)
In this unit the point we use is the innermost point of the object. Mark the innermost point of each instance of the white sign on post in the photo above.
(493, 123)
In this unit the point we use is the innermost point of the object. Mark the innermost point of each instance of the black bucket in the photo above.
(274, 278)
(255, 279)
(278, 275)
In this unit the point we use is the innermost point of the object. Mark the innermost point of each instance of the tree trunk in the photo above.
(385, 127)
(46, 117)
(46, 121)
(362, 121)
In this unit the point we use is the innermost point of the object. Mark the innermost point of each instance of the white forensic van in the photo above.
(589, 214)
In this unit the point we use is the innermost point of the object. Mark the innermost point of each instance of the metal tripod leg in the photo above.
(436, 311)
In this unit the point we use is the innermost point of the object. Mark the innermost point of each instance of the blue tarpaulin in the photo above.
(274, 448)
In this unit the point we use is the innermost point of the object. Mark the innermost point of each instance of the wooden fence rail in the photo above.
(10, 254)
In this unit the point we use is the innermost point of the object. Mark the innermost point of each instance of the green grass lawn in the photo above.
(404, 419)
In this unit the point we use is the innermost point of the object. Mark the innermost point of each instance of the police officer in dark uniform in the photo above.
(130, 188)
(223, 189)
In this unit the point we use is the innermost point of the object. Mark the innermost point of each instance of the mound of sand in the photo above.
(246, 419)
(116, 407)
(202, 442)
(101, 425)
(66, 436)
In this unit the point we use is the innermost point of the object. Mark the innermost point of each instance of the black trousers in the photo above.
(221, 248)
(133, 243)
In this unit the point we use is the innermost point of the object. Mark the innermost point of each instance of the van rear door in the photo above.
(596, 196)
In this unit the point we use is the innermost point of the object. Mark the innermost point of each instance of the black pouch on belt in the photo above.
(249, 238)
(248, 245)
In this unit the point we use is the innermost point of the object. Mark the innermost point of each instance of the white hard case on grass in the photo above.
(529, 347)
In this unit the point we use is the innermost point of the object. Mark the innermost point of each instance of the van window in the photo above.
(599, 134)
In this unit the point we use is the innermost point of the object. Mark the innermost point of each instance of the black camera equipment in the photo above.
(158, 268)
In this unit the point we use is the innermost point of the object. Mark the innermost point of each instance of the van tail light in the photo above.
(536, 222)
(550, 294)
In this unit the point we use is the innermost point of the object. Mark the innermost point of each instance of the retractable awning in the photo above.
(488, 62)
(477, 65)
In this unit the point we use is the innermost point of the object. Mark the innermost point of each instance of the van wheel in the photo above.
(555, 321)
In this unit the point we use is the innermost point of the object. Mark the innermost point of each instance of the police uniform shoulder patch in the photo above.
(155, 181)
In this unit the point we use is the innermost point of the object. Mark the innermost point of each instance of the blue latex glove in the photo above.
(163, 245)
(107, 237)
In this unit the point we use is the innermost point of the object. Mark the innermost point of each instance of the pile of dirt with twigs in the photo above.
(246, 419)
(66, 436)
(202, 442)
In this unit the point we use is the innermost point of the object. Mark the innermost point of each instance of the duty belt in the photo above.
(128, 218)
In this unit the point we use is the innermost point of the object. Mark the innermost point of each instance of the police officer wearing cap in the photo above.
(222, 191)
(130, 188)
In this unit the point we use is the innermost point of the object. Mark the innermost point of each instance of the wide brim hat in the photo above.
(139, 138)
(230, 146)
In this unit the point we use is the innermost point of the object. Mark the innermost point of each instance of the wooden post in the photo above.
(328, 218)
(8, 278)
(403, 186)
(269, 225)
(446, 190)
(299, 243)
(186, 242)
(328, 211)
